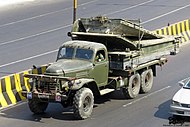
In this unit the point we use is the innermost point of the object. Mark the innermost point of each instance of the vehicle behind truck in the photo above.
(104, 55)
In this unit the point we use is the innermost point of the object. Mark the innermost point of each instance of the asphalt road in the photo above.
(31, 34)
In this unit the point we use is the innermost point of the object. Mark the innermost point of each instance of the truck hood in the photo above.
(63, 66)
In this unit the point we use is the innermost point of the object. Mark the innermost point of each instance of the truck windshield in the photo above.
(68, 53)
(84, 54)
(65, 52)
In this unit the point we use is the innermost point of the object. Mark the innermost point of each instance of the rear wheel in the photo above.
(37, 107)
(133, 88)
(83, 103)
(146, 81)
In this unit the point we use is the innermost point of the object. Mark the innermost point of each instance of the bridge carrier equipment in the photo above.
(104, 55)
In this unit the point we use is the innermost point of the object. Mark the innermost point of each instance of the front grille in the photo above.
(47, 87)
(185, 105)
(50, 87)
(180, 112)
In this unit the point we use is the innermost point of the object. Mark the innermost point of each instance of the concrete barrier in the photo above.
(181, 29)
(12, 85)
(40, 69)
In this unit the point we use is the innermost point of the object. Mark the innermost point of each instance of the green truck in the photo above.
(104, 55)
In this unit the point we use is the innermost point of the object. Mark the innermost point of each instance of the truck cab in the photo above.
(81, 59)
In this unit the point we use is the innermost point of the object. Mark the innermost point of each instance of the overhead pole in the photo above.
(74, 10)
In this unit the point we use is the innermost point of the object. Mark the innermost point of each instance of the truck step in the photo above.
(105, 91)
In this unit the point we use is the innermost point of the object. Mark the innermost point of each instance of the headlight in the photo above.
(73, 82)
(70, 83)
(77, 82)
(175, 103)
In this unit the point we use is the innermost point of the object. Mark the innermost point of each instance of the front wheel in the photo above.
(83, 103)
(37, 107)
(133, 88)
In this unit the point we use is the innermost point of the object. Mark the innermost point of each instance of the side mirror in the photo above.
(181, 83)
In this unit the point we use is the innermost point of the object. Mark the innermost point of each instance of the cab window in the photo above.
(100, 56)
(84, 54)
(65, 52)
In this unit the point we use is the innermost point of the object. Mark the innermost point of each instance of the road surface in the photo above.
(31, 34)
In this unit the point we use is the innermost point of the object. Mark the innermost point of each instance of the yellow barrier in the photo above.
(39, 70)
(181, 29)
(12, 85)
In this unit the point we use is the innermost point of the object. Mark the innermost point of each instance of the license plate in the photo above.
(43, 96)
(58, 97)
(187, 113)
(29, 95)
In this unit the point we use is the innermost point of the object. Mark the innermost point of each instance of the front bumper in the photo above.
(45, 96)
(179, 110)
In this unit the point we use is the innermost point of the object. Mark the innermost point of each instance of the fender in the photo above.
(78, 83)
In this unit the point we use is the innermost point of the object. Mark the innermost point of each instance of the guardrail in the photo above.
(181, 28)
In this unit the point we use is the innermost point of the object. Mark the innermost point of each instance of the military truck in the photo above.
(104, 55)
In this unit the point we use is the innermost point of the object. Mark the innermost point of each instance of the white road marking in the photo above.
(166, 14)
(139, 99)
(9, 2)
(35, 35)
(59, 28)
(129, 8)
(28, 58)
(45, 14)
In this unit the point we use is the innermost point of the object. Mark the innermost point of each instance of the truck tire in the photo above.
(83, 103)
(37, 107)
(146, 81)
(133, 88)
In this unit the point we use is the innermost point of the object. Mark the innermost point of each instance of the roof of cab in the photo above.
(84, 44)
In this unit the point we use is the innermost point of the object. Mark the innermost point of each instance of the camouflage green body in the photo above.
(138, 44)
(102, 56)
(82, 68)
(124, 44)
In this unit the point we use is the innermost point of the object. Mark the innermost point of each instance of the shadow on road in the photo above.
(163, 113)
(54, 110)
(163, 110)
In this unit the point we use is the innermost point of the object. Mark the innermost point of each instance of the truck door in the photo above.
(101, 66)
